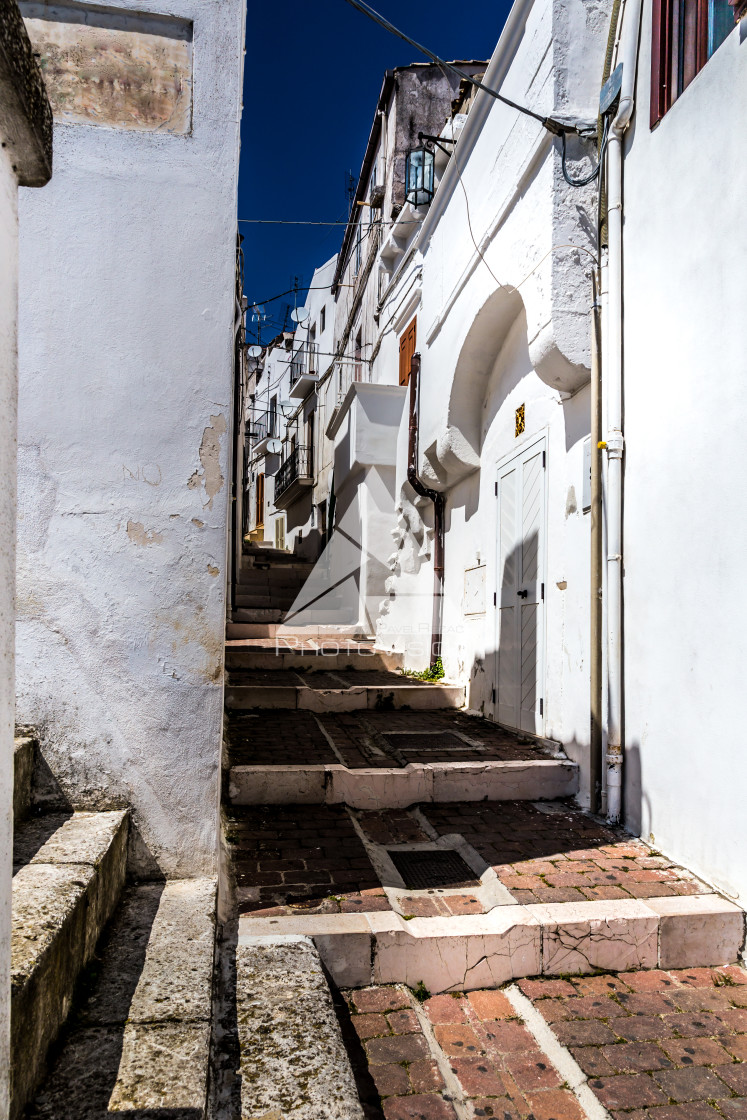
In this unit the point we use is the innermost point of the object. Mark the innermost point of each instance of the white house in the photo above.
(127, 326)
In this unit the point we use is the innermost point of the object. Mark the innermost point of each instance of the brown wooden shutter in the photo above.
(407, 346)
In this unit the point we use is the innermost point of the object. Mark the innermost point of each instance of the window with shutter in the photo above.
(685, 34)
(407, 345)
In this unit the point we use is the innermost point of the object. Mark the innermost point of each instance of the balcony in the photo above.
(294, 477)
(264, 430)
(304, 373)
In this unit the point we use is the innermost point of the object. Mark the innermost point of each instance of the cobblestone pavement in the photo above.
(311, 858)
(655, 1045)
(370, 739)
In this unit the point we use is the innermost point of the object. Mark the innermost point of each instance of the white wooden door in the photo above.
(519, 700)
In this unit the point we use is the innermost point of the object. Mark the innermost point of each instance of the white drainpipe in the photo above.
(629, 58)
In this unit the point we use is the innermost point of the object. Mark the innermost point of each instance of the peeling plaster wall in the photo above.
(126, 343)
(685, 532)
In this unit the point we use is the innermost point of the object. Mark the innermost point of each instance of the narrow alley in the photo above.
(370, 651)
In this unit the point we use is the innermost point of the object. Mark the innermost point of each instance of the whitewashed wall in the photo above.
(685, 533)
(126, 339)
(503, 321)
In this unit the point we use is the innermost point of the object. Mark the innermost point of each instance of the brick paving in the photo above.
(562, 855)
(655, 1045)
(368, 740)
(300, 858)
(494, 1066)
(310, 857)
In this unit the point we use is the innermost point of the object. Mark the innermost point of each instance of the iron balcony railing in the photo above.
(305, 360)
(297, 466)
(264, 426)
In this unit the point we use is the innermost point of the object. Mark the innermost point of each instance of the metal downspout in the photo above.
(614, 388)
(596, 707)
(438, 513)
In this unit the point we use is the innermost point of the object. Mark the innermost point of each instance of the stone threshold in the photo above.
(327, 655)
(510, 942)
(398, 787)
(357, 698)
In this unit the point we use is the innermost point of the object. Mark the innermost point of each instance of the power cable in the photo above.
(556, 127)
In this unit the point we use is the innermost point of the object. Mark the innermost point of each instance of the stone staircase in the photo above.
(111, 985)
(268, 581)
(399, 845)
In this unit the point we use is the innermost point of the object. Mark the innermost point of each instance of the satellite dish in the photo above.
(274, 447)
(299, 315)
(254, 351)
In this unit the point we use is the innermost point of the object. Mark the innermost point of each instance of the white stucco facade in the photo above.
(685, 290)
(126, 347)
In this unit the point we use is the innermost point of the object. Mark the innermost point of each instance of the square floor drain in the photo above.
(439, 867)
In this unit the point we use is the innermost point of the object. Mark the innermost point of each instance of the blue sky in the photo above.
(313, 73)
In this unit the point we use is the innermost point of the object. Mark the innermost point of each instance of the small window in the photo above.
(685, 34)
(322, 320)
(407, 343)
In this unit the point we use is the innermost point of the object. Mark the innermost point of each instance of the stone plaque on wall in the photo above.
(119, 69)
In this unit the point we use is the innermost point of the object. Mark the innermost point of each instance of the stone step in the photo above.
(139, 1039)
(272, 599)
(391, 696)
(243, 616)
(289, 570)
(24, 756)
(332, 654)
(460, 953)
(69, 871)
(293, 1059)
(264, 629)
(392, 787)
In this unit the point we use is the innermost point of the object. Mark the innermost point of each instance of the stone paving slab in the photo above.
(64, 892)
(138, 1039)
(293, 1060)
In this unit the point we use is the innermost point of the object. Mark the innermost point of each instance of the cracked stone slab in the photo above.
(163, 1066)
(579, 937)
(446, 954)
(293, 1060)
(698, 930)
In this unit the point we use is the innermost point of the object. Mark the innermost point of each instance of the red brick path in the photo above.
(655, 1045)
(560, 856)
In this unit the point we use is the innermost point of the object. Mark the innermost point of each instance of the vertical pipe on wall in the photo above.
(438, 513)
(614, 392)
(595, 683)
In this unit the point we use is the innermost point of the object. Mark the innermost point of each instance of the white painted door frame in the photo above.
(520, 583)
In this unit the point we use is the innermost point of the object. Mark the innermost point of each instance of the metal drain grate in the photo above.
(438, 867)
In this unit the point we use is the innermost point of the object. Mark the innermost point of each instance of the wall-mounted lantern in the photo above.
(419, 176)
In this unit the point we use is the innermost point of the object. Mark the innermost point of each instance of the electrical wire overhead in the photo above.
(556, 127)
